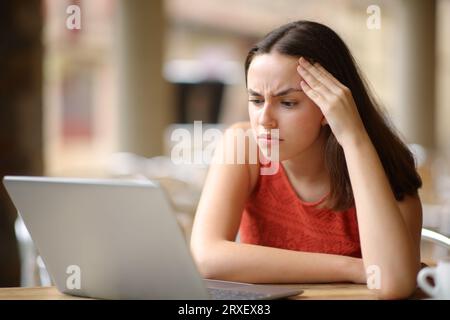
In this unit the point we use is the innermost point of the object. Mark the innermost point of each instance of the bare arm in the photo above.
(216, 224)
(389, 230)
(232, 261)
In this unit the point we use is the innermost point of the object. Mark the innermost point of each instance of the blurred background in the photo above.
(100, 99)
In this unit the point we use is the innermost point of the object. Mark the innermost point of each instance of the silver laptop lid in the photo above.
(119, 237)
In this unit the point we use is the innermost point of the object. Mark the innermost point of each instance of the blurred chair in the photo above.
(182, 183)
(434, 246)
(183, 180)
(33, 272)
(436, 237)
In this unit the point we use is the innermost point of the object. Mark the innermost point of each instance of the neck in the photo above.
(309, 165)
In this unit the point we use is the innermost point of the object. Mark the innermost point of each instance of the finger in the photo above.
(320, 76)
(329, 75)
(313, 82)
(315, 96)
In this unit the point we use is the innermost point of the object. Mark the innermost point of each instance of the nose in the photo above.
(267, 118)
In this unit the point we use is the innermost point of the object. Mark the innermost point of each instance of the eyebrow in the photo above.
(281, 93)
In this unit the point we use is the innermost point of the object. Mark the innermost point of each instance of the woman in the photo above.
(343, 205)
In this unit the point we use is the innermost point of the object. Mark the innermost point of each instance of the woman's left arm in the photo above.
(389, 231)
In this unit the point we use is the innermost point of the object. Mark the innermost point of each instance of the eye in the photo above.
(256, 101)
(289, 104)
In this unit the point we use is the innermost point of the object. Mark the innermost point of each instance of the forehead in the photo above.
(273, 71)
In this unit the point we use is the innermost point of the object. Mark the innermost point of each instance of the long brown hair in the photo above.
(318, 43)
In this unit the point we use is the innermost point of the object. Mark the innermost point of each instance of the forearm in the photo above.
(385, 238)
(232, 261)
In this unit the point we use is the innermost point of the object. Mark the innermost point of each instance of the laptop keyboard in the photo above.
(226, 294)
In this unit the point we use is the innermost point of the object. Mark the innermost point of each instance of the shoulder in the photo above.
(243, 130)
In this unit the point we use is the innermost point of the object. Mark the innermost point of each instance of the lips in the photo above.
(268, 137)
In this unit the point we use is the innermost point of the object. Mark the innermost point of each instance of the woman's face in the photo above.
(276, 101)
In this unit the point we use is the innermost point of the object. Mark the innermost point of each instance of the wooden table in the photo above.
(311, 291)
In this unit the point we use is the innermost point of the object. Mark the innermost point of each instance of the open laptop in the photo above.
(116, 239)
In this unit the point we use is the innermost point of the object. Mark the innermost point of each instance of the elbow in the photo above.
(397, 289)
(206, 262)
(395, 294)
(205, 267)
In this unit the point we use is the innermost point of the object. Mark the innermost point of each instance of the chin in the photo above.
(281, 157)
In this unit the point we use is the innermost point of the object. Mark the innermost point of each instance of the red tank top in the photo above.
(275, 216)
